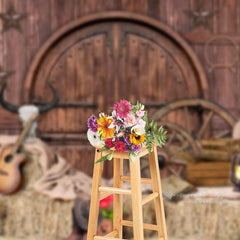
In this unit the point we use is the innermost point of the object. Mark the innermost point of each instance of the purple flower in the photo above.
(92, 123)
(136, 148)
(126, 148)
(127, 140)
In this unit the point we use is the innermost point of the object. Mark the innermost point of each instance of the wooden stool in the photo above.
(99, 192)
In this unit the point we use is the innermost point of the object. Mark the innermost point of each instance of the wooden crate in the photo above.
(208, 173)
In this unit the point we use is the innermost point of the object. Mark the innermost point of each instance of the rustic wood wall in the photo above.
(44, 17)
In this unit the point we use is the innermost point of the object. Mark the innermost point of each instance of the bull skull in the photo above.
(26, 111)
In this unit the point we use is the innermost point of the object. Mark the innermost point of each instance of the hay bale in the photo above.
(206, 218)
(29, 214)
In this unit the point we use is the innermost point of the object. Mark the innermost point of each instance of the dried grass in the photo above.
(205, 218)
(27, 213)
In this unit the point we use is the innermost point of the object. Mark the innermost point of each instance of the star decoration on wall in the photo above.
(200, 16)
(4, 74)
(11, 19)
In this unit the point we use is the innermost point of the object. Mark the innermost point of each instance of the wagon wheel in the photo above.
(178, 143)
(189, 122)
(196, 116)
(178, 136)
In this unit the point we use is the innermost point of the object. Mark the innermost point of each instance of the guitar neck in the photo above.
(23, 134)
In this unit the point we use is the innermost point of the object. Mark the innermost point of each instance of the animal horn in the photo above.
(5, 104)
(51, 104)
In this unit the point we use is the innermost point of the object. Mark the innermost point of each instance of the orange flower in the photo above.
(104, 123)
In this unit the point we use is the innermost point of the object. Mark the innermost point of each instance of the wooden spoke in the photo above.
(205, 124)
(224, 134)
(170, 140)
(180, 138)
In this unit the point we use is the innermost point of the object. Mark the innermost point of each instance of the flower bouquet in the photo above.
(126, 130)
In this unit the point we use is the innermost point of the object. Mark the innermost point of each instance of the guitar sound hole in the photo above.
(8, 158)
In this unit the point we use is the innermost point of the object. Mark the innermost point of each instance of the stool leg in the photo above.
(156, 185)
(118, 198)
(94, 206)
(136, 199)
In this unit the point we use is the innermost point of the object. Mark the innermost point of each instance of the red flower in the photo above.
(120, 147)
(109, 143)
(106, 202)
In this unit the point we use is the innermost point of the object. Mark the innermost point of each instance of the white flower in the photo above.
(142, 107)
(117, 121)
(141, 122)
(101, 114)
(94, 138)
(138, 129)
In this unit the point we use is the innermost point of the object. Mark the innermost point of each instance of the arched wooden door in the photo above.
(100, 59)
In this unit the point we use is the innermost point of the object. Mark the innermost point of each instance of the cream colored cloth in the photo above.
(59, 179)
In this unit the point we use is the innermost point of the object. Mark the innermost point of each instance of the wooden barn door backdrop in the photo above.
(100, 59)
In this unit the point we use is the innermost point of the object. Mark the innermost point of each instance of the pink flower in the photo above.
(140, 113)
(130, 120)
(141, 122)
(122, 108)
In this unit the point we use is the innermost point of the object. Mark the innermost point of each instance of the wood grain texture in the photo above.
(118, 199)
(94, 64)
(209, 174)
(95, 197)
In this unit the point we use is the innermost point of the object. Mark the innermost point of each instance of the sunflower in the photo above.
(137, 139)
(103, 127)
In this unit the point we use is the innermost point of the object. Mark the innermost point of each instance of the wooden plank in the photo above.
(178, 22)
(158, 202)
(150, 198)
(1, 36)
(111, 234)
(208, 174)
(145, 225)
(210, 181)
(115, 190)
(193, 37)
(117, 198)
(94, 205)
(61, 13)
(202, 166)
(125, 155)
(136, 199)
(143, 180)
(205, 124)
(186, 116)
(14, 53)
(107, 238)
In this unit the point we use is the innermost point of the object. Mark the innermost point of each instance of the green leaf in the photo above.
(104, 158)
(104, 148)
(155, 127)
(104, 213)
(151, 124)
(110, 216)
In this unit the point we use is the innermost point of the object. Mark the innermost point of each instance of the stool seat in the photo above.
(99, 192)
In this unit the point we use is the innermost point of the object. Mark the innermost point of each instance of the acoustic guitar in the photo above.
(11, 161)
